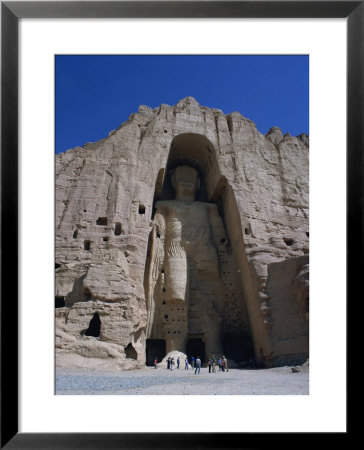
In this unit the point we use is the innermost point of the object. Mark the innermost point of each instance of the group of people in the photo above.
(196, 363)
(171, 364)
(221, 362)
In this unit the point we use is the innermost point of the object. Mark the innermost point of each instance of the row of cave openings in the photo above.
(237, 348)
(103, 221)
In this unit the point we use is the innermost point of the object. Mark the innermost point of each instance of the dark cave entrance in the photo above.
(154, 348)
(196, 347)
(239, 348)
(94, 326)
(60, 301)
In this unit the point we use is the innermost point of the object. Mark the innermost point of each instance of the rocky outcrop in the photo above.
(106, 194)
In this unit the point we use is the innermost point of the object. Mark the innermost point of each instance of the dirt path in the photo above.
(149, 381)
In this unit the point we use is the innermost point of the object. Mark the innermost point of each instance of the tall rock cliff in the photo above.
(106, 194)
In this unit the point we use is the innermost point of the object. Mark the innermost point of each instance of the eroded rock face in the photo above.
(107, 196)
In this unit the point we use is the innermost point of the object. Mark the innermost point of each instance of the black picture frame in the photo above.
(11, 12)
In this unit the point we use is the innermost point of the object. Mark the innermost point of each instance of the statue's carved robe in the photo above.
(185, 269)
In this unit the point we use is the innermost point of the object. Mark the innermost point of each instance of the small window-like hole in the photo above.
(288, 241)
(86, 245)
(141, 209)
(164, 302)
(246, 231)
(60, 303)
(223, 240)
(58, 266)
(166, 316)
(307, 234)
(75, 234)
(164, 289)
(101, 221)
(105, 238)
(117, 230)
(158, 235)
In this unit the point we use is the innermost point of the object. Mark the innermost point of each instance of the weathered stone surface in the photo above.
(287, 311)
(106, 203)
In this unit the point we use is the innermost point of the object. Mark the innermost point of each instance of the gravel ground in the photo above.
(150, 381)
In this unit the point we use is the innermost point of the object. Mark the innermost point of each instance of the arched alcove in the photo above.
(198, 152)
(167, 320)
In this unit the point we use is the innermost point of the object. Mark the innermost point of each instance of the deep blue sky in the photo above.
(95, 94)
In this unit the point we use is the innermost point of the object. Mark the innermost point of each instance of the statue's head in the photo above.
(186, 182)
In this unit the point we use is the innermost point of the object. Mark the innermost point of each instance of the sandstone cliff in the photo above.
(105, 199)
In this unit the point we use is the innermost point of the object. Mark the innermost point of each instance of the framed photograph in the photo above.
(47, 47)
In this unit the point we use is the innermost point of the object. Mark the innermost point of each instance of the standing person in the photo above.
(219, 363)
(213, 360)
(168, 363)
(209, 363)
(198, 364)
(177, 362)
(224, 364)
(172, 364)
(213, 364)
(192, 361)
(155, 362)
(186, 363)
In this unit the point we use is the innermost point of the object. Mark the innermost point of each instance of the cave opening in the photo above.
(117, 230)
(155, 348)
(60, 301)
(196, 347)
(101, 221)
(239, 348)
(130, 351)
(94, 326)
